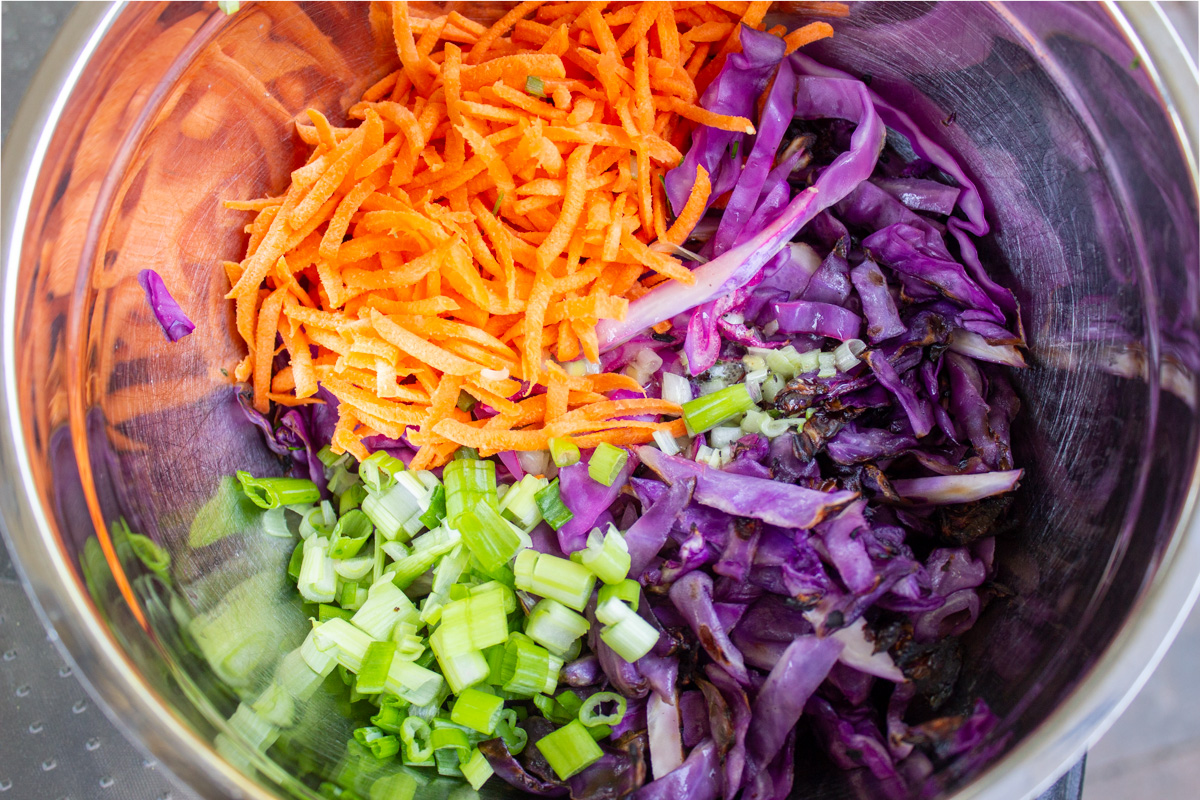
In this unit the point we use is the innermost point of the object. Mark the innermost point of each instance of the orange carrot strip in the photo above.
(668, 35)
(692, 210)
(658, 262)
(810, 33)
(647, 13)
(499, 28)
(628, 437)
(703, 116)
(415, 68)
(501, 404)
(367, 403)
(556, 394)
(521, 100)
(305, 379)
(573, 198)
(624, 408)
(490, 441)
(340, 222)
(452, 81)
(487, 73)
(444, 400)
(264, 348)
(383, 87)
(466, 24)
(417, 347)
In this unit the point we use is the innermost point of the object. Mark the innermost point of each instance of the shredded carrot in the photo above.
(486, 206)
(810, 33)
(692, 210)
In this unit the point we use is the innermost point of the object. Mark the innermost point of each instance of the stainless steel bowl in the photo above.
(148, 114)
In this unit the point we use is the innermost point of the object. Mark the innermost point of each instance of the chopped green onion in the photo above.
(734, 149)
(415, 733)
(341, 480)
(320, 659)
(606, 556)
(809, 361)
(391, 714)
(409, 646)
(379, 470)
(352, 498)
(570, 701)
(353, 569)
(666, 442)
(275, 523)
(555, 627)
(630, 636)
(515, 738)
(348, 643)
(447, 763)
(466, 453)
(317, 582)
(390, 510)
(496, 207)
(426, 550)
(465, 403)
(476, 769)
(527, 666)
(564, 451)
(461, 670)
(295, 562)
(437, 508)
(447, 738)
(535, 86)
(395, 786)
(606, 463)
(379, 743)
(845, 355)
(412, 682)
(386, 605)
(331, 459)
(519, 503)
(468, 482)
(318, 521)
(828, 365)
(477, 710)
(326, 611)
(590, 714)
(569, 750)
(552, 710)
(628, 591)
(507, 598)
(350, 534)
(550, 504)
(445, 577)
(599, 732)
(275, 492)
(378, 660)
(351, 595)
(556, 578)
(473, 623)
(711, 410)
(491, 539)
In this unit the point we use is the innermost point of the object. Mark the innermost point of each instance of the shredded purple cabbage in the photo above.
(170, 316)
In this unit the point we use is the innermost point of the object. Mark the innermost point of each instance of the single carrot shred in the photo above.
(487, 205)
